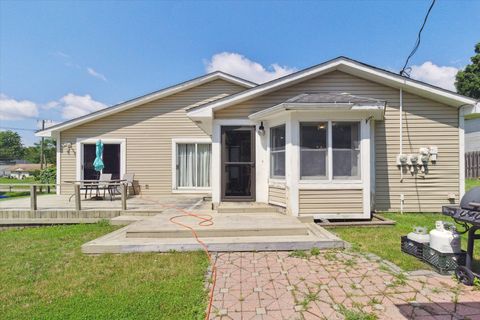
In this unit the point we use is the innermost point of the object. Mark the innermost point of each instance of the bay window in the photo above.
(334, 146)
(277, 152)
(193, 165)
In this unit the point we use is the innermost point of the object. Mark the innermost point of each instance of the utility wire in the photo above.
(404, 71)
(19, 129)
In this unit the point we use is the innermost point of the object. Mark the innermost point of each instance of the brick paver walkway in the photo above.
(333, 285)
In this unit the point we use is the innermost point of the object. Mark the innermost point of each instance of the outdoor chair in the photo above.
(128, 177)
(103, 184)
(128, 181)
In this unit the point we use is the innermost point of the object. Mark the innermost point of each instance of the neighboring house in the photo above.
(472, 135)
(321, 142)
(5, 166)
(22, 171)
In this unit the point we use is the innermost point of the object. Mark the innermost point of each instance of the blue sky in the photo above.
(61, 59)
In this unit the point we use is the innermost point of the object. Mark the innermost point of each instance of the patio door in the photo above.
(238, 163)
(111, 159)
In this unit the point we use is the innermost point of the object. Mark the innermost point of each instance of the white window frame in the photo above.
(270, 151)
(175, 142)
(329, 179)
(80, 151)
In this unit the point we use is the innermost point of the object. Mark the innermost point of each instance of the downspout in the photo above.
(401, 145)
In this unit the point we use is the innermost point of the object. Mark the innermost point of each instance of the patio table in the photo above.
(92, 184)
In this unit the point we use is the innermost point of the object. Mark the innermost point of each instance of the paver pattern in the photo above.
(332, 285)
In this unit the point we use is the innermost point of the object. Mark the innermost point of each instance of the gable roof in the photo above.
(346, 65)
(144, 99)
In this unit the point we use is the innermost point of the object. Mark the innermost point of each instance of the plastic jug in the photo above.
(419, 234)
(445, 238)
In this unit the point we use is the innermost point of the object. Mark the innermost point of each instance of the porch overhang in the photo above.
(326, 103)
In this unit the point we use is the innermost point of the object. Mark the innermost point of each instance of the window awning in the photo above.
(330, 102)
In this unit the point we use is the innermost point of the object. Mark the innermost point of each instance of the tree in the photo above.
(11, 146)
(468, 80)
(47, 176)
(32, 154)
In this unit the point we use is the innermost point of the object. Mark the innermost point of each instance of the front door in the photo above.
(238, 163)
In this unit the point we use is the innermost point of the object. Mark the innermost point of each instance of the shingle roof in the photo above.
(335, 97)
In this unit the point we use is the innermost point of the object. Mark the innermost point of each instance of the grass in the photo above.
(385, 241)
(19, 194)
(471, 183)
(44, 275)
(17, 181)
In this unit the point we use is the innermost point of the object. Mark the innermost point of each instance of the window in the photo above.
(346, 150)
(313, 150)
(193, 165)
(341, 153)
(277, 152)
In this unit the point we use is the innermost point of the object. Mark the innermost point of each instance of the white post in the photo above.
(292, 161)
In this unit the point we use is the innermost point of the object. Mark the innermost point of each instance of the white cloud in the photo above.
(72, 106)
(11, 109)
(240, 66)
(96, 74)
(442, 76)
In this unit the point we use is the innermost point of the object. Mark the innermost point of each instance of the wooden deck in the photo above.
(59, 207)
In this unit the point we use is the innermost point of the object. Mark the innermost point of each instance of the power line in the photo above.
(417, 43)
(19, 129)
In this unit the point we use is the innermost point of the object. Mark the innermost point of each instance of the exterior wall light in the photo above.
(261, 129)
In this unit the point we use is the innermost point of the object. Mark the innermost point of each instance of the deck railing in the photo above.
(33, 192)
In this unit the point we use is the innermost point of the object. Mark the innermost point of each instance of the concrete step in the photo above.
(247, 207)
(126, 220)
(225, 225)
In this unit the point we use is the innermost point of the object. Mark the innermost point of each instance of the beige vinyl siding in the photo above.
(276, 195)
(426, 123)
(327, 201)
(148, 130)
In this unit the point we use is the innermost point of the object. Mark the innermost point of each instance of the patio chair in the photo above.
(129, 179)
(103, 184)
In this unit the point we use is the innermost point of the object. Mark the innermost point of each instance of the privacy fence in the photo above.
(472, 164)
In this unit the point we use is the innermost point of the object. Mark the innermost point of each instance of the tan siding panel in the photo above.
(425, 123)
(148, 130)
(276, 195)
(331, 201)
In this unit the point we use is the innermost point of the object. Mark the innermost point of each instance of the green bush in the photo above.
(48, 175)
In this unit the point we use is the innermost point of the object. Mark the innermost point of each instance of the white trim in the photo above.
(58, 164)
(365, 166)
(373, 167)
(192, 140)
(461, 153)
(145, 99)
(79, 153)
(345, 65)
(261, 159)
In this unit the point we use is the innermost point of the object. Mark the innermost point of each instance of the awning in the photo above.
(330, 102)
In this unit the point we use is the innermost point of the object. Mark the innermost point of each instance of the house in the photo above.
(336, 140)
(22, 171)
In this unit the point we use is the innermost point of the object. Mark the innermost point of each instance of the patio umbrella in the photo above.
(98, 162)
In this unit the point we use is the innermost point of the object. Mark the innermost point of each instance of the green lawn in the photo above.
(17, 181)
(15, 194)
(44, 275)
(470, 183)
(385, 241)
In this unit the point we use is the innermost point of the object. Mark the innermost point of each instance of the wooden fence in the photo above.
(472, 165)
